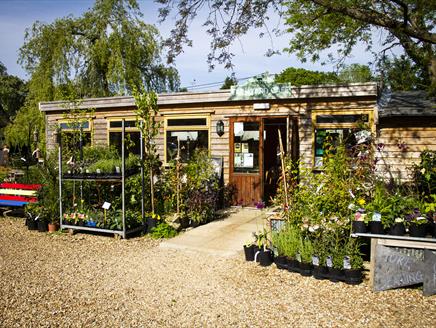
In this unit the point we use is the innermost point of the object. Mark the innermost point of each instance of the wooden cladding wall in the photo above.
(299, 109)
(400, 149)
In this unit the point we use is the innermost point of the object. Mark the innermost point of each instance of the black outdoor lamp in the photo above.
(220, 128)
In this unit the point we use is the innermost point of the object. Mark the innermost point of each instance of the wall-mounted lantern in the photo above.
(220, 128)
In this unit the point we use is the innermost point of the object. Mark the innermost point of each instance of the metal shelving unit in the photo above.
(121, 179)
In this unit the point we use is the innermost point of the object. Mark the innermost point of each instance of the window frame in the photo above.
(167, 128)
(337, 126)
(110, 129)
(89, 129)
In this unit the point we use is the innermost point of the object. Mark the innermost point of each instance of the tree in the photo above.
(13, 91)
(401, 74)
(228, 82)
(301, 76)
(146, 112)
(315, 26)
(104, 52)
(355, 73)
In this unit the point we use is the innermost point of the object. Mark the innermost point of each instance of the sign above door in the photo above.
(261, 87)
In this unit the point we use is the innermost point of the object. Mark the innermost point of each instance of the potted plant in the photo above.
(291, 240)
(249, 251)
(306, 251)
(279, 242)
(417, 224)
(398, 228)
(353, 262)
(152, 221)
(358, 225)
(264, 254)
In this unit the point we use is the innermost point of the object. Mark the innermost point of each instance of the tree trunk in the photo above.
(432, 73)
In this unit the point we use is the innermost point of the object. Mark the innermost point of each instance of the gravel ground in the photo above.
(80, 280)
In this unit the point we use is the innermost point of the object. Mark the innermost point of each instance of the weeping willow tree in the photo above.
(105, 52)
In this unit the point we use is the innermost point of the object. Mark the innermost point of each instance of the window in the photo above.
(188, 133)
(132, 135)
(334, 129)
(75, 133)
(246, 147)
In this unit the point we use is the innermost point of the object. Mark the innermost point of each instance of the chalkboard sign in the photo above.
(429, 272)
(394, 269)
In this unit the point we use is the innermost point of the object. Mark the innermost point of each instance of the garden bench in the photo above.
(17, 195)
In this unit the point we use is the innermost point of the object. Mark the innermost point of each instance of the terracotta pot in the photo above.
(53, 227)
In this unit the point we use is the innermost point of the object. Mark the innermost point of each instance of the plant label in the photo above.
(315, 260)
(298, 257)
(329, 262)
(376, 217)
(347, 263)
(106, 205)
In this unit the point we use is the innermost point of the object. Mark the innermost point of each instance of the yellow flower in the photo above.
(361, 202)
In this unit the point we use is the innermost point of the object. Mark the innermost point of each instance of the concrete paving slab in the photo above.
(222, 237)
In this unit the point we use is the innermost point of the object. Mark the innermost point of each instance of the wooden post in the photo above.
(282, 160)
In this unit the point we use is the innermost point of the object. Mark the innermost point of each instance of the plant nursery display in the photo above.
(346, 196)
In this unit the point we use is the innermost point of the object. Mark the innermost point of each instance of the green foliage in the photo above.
(425, 173)
(352, 250)
(229, 82)
(200, 192)
(402, 74)
(355, 73)
(163, 230)
(146, 112)
(104, 52)
(13, 91)
(301, 76)
(314, 27)
(305, 249)
(287, 240)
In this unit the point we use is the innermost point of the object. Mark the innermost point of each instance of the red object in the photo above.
(19, 198)
(21, 186)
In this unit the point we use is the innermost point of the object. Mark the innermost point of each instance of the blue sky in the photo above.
(17, 15)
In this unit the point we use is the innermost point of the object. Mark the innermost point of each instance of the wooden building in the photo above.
(241, 125)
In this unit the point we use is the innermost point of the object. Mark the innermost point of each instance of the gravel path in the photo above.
(93, 281)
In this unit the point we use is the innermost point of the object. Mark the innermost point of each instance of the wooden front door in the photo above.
(246, 159)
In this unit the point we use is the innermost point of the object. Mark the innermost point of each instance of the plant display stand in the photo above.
(112, 178)
(398, 261)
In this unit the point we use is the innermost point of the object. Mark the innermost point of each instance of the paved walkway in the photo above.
(224, 237)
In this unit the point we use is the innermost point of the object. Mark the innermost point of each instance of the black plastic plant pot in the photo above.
(265, 257)
(417, 230)
(358, 226)
(398, 229)
(376, 227)
(353, 276)
(249, 252)
(293, 265)
(151, 223)
(281, 262)
(336, 275)
(306, 269)
(32, 224)
(42, 226)
(320, 272)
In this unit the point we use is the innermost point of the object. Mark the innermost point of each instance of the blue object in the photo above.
(12, 203)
